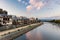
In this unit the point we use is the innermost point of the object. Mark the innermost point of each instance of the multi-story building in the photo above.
(4, 17)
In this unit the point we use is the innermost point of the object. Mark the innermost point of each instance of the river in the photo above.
(47, 31)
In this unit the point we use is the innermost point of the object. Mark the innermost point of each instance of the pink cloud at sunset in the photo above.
(35, 4)
(29, 7)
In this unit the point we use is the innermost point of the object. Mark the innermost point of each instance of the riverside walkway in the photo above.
(13, 33)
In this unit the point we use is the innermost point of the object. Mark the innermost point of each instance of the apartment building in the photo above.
(4, 17)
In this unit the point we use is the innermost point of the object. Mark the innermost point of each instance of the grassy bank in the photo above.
(19, 31)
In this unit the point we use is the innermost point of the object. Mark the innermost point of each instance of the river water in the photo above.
(47, 31)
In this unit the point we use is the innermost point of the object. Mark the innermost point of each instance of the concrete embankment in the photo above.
(12, 34)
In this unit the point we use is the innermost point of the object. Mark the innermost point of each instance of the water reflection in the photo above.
(34, 36)
(47, 31)
(23, 37)
(56, 24)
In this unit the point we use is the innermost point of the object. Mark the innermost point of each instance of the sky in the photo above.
(31, 8)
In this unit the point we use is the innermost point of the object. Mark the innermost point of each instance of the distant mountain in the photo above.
(51, 18)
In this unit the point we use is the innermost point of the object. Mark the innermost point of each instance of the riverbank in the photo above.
(11, 34)
(55, 21)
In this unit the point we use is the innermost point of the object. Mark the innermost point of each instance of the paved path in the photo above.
(10, 34)
(13, 30)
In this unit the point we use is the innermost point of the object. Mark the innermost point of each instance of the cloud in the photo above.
(35, 4)
(22, 1)
(29, 7)
(19, 0)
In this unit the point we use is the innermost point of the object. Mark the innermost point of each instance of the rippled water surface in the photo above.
(47, 31)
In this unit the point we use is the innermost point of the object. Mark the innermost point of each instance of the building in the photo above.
(21, 20)
(4, 17)
(3, 12)
(32, 20)
(1, 20)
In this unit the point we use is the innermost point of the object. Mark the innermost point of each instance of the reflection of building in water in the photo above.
(33, 36)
